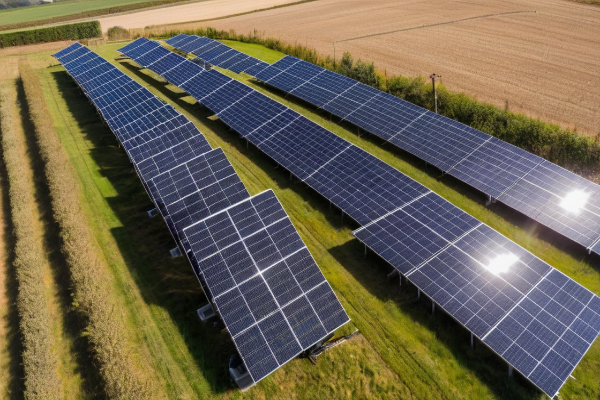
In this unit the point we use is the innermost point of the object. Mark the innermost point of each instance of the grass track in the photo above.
(405, 352)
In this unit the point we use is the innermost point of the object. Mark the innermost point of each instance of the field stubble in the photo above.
(544, 64)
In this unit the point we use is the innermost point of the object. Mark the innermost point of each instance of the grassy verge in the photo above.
(71, 10)
(39, 360)
(92, 294)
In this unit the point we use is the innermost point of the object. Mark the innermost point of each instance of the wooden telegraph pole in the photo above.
(433, 76)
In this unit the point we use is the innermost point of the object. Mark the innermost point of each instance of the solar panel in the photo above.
(471, 271)
(176, 39)
(152, 56)
(273, 298)
(498, 290)
(192, 186)
(196, 189)
(486, 163)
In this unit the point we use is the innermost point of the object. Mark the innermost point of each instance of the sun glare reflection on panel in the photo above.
(575, 201)
(502, 263)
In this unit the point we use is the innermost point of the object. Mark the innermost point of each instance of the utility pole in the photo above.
(433, 76)
(333, 55)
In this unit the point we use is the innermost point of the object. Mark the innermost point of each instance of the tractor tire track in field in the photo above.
(438, 24)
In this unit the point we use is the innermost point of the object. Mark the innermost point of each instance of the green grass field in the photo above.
(60, 9)
(402, 352)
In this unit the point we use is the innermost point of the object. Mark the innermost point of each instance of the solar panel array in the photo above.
(255, 268)
(545, 192)
(216, 53)
(533, 316)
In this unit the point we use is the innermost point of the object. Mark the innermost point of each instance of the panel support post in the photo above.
(489, 200)
(510, 370)
(472, 342)
(330, 204)
(418, 293)
(342, 216)
(290, 176)
(365, 249)
(432, 307)
(246, 143)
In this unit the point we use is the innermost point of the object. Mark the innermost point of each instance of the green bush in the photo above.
(83, 30)
(117, 33)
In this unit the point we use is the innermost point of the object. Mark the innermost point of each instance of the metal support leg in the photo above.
(400, 280)
(510, 370)
(329, 204)
(246, 143)
(342, 216)
(290, 176)
(489, 200)
(472, 343)
(432, 307)
(418, 293)
(365, 249)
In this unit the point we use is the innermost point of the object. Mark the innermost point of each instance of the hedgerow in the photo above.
(35, 325)
(92, 294)
(83, 30)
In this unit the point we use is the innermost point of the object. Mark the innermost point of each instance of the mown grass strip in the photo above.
(39, 361)
(93, 298)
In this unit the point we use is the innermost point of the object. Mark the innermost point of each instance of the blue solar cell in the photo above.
(286, 82)
(495, 166)
(305, 323)
(422, 138)
(203, 48)
(360, 184)
(279, 337)
(225, 56)
(286, 62)
(256, 68)
(176, 39)
(333, 82)
(190, 45)
(152, 56)
(314, 94)
(256, 354)
(244, 64)
(268, 73)
(204, 84)
(215, 52)
(166, 63)
(225, 96)
(183, 72)
(302, 69)
(144, 48)
(233, 60)
(67, 50)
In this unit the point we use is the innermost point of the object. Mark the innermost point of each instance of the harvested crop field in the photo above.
(188, 12)
(539, 57)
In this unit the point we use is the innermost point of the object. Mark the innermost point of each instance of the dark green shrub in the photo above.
(83, 30)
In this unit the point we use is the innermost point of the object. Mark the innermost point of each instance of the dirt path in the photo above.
(545, 63)
(188, 12)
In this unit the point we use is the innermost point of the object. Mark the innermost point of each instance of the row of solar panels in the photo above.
(255, 268)
(532, 315)
(545, 192)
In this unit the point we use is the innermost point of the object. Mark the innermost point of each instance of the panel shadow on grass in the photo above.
(145, 243)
